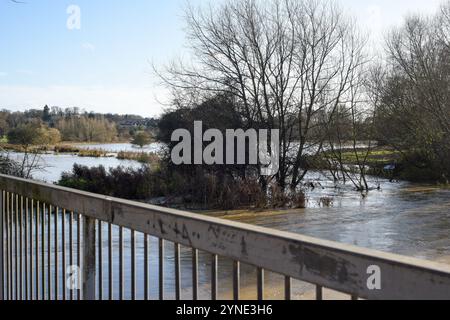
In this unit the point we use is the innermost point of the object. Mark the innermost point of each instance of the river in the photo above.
(55, 164)
(401, 217)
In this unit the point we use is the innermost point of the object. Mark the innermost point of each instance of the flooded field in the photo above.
(401, 217)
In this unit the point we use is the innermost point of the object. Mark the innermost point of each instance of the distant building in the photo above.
(137, 123)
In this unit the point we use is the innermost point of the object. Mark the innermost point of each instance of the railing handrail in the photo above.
(325, 263)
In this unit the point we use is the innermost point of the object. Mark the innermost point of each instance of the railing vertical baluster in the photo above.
(214, 276)
(319, 292)
(133, 263)
(287, 288)
(43, 285)
(11, 248)
(177, 272)
(161, 269)
(100, 261)
(236, 280)
(9, 245)
(16, 258)
(71, 291)
(260, 285)
(2, 243)
(21, 249)
(110, 262)
(16, 249)
(63, 262)
(6, 250)
(146, 273)
(3, 248)
(12, 237)
(121, 289)
(32, 244)
(36, 248)
(194, 274)
(30, 203)
(25, 231)
(79, 251)
(55, 246)
(89, 259)
(49, 253)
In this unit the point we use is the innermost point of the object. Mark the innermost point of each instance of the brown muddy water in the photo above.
(401, 217)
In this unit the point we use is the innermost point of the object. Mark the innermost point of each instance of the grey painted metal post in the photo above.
(89, 259)
(2, 275)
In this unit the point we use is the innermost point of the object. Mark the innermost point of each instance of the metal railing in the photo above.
(59, 243)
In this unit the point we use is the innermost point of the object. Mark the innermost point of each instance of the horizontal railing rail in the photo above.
(31, 257)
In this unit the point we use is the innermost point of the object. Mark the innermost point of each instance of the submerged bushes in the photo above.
(92, 153)
(127, 183)
(195, 189)
(66, 149)
(142, 157)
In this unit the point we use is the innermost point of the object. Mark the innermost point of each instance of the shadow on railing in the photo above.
(59, 243)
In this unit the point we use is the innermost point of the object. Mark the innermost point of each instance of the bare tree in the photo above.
(24, 166)
(287, 63)
(413, 93)
(351, 135)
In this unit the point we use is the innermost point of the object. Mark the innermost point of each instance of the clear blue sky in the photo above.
(105, 66)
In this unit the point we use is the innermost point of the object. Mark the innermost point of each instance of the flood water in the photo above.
(401, 217)
(117, 147)
(404, 218)
(55, 164)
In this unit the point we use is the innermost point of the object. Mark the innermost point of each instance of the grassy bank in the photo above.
(94, 153)
(59, 149)
(375, 158)
(142, 157)
(408, 166)
(20, 148)
(74, 149)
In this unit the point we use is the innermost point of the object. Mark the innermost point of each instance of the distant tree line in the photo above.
(74, 124)
(86, 129)
(410, 92)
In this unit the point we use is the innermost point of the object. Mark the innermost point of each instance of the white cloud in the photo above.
(88, 46)
(122, 100)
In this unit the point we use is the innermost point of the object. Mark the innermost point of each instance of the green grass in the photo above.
(92, 153)
(374, 157)
(20, 148)
(142, 157)
(64, 148)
